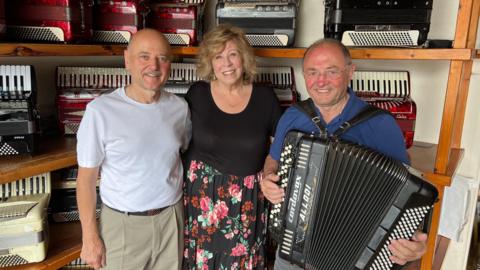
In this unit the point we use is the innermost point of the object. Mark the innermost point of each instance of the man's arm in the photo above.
(93, 249)
(268, 185)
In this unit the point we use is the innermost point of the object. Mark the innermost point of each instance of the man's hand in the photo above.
(272, 191)
(406, 251)
(93, 252)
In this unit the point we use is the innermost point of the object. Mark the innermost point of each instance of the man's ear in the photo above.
(351, 71)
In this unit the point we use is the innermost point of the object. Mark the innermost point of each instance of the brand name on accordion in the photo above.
(294, 199)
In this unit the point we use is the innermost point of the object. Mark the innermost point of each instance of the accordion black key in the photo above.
(344, 204)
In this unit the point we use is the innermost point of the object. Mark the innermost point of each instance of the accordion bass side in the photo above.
(344, 204)
(54, 21)
(267, 23)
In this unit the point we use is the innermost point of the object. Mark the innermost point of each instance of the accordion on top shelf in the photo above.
(378, 23)
(180, 21)
(18, 114)
(63, 205)
(266, 23)
(53, 21)
(114, 21)
(344, 204)
(23, 220)
(389, 90)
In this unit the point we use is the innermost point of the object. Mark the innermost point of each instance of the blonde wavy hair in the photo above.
(215, 41)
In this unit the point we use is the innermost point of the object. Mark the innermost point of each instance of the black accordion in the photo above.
(344, 203)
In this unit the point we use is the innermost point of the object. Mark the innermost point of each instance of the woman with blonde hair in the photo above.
(233, 121)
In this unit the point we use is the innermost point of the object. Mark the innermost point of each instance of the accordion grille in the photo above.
(11, 260)
(267, 40)
(34, 33)
(7, 149)
(111, 36)
(178, 39)
(392, 38)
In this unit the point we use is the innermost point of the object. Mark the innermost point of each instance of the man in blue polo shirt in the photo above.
(327, 70)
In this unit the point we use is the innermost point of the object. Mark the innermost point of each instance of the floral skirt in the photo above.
(224, 220)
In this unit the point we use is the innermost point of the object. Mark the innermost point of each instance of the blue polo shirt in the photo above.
(380, 132)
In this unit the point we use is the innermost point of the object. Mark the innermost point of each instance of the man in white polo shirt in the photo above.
(134, 136)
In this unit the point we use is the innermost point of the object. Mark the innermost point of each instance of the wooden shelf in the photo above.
(477, 53)
(64, 247)
(33, 49)
(422, 156)
(52, 154)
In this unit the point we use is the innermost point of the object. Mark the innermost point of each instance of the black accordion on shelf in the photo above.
(344, 204)
(266, 23)
(378, 23)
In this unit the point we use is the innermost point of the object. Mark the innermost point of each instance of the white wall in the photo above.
(428, 80)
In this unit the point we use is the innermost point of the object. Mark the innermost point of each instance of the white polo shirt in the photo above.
(137, 147)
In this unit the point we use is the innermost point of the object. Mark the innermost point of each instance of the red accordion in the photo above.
(77, 86)
(115, 21)
(181, 23)
(389, 90)
(49, 20)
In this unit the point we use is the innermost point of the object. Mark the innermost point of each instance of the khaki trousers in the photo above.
(143, 242)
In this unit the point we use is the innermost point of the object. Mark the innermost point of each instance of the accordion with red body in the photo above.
(53, 20)
(115, 21)
(181, 23)
(389, 90)
(77, 86)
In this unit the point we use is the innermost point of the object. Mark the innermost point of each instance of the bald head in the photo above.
(329, 42)
(149, 35)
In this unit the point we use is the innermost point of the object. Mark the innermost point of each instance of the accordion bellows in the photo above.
(344, 204)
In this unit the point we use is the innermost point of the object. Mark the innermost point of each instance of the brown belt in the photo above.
(151, 212)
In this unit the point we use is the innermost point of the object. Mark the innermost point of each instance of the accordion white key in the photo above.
(23, 220)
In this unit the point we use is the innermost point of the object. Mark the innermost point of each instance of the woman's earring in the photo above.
(214, 77)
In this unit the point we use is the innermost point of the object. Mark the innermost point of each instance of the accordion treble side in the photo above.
(344, 204)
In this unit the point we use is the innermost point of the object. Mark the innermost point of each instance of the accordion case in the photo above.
(378, 23)
(18, 114)
(344, 204)
(115, 21)
(23, 222)
(181, 23)
(53, 21)
(389, 90)
(266, 23)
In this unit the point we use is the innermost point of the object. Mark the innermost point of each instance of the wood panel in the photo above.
(52, 154)
(24, 49)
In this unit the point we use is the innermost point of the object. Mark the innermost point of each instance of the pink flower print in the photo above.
(192, 176)
(221, 209)
(239, 250)
(229, 235)
(205, 204)
(243, 217)
(235, 192)
(249, 181)
(234, 266)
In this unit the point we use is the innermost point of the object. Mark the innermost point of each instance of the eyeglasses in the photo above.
(330, 73)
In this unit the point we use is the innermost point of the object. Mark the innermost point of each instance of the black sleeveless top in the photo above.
(232, 143)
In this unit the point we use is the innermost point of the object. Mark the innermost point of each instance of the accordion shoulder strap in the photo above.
(366, 113)
(308, 108)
